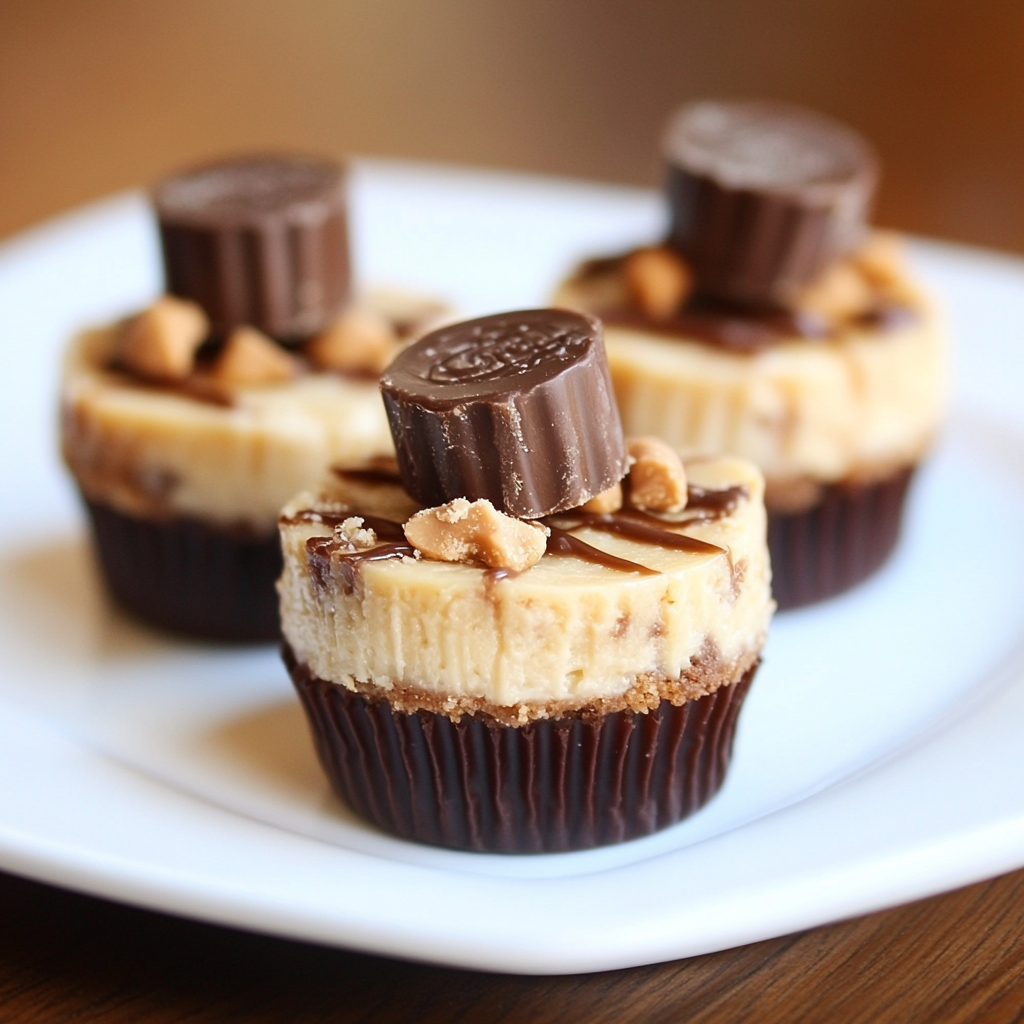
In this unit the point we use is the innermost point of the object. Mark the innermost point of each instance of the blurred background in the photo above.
(98, 95)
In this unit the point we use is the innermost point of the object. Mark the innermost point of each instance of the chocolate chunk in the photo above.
(764, 196)
(516, 408)
(260, 241)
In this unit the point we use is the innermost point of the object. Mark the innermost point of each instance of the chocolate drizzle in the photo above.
(385, 528)
(716, 324)
(372, 474)
(716, 503)
(318, 558)
(737, 329)
(561, 542)
(197, 386)
(632, 524)
(322, 551)
(643, 531)
(394, 549)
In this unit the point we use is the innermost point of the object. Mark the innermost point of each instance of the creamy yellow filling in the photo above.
(858, 404)
(564, 632)
(153, 452)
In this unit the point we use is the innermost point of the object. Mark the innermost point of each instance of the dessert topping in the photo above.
(882, 258)
(657, 478)
(249, 357)
(764, 196)
(352, 535)
(161, 342)
(359, 341)
(840, 293)
(658, 281)
(259, 241)
(516, 408)
(605, 502)
(475, 532)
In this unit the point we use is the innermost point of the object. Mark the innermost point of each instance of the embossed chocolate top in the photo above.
(516, 408)
(497, 350)
(764, 196)
(260, 241)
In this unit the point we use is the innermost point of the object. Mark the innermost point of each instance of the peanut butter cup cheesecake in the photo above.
(774, 324)
(188, 426)
(530, 634)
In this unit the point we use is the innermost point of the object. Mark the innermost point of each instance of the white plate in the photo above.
(878, 757)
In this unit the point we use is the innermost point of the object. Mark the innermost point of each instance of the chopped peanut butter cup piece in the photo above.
(249, 357)
(840, 293)
(516, 408)
(658, 281)
(604, 503)
(161, 342)
(882, 258)
(359, 341)
(474, 532)
(764, 196)
(657, 477)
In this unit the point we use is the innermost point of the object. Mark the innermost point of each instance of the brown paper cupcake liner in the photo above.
(551, 785)
(189, 577)
(840, 542)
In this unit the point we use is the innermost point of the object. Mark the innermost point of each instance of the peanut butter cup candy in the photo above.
(516, 408)
(552, 654)
(763, 197)
(189, 425)
(259, 241)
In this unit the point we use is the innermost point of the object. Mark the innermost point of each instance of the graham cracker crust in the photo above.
(706, 674)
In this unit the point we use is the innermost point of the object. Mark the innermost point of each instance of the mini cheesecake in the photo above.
(188, 426)
(555, 657)
(774, 325)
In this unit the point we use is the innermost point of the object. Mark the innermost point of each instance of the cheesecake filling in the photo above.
(231, 458)
(811, 399)
(623, 611)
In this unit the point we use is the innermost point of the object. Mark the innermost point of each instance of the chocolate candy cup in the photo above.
(260, 241)
(552, 785)
(841, 541)
(516, 408)
(189, 577)
(763, 197)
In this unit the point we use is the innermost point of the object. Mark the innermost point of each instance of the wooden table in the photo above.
(957, 957)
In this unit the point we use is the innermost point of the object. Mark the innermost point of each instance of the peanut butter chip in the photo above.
(161, 342)
(250, 357)
(658, 281)
(840, 293)
(657, 479)
(474, 532)
(605, 502)
(359, 341)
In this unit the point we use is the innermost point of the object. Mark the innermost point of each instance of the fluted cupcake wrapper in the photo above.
(842, 540)
(189, 577)
(548, 786)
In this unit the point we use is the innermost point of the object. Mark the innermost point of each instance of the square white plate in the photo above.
(878, 757)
